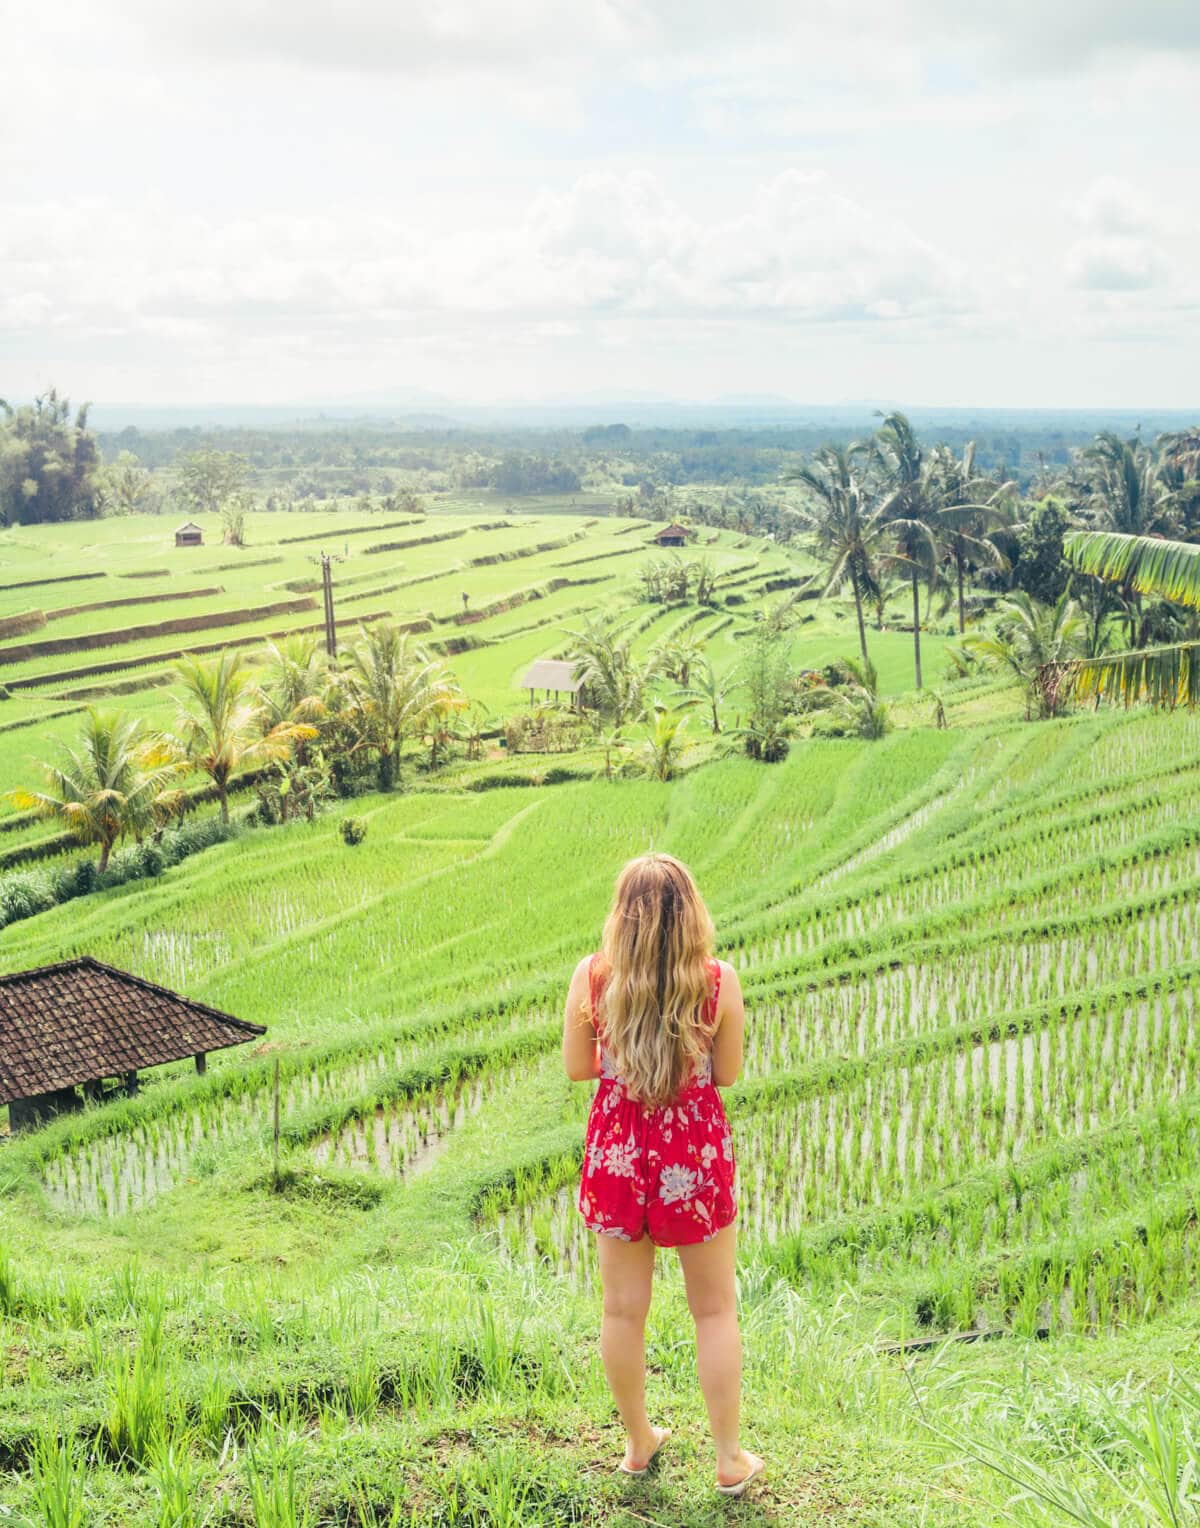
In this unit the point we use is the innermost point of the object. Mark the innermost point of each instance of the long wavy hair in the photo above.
(654, 961)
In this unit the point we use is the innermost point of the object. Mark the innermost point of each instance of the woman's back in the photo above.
(609, 1068)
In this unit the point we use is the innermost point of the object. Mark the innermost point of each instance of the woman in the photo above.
(660, 1023)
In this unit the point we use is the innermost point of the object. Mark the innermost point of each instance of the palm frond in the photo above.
(1164, 676)
(1170, 569)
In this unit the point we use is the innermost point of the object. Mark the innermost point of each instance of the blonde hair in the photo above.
(657, 983)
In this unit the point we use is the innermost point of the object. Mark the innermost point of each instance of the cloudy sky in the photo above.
(288, 200)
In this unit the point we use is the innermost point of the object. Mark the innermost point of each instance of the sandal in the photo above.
(738, 1488)
(624, 1469)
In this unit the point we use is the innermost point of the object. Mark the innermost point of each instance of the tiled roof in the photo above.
(70, 1023)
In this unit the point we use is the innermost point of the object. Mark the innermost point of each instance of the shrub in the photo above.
(354, 830)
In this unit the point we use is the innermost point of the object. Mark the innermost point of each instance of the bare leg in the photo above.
(627, 1271)
(712, 1299)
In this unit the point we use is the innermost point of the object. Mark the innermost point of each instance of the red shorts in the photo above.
(667, 1173)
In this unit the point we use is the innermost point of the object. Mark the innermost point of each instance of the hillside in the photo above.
(970, 960)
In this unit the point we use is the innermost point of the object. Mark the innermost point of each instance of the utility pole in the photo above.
(327, 560)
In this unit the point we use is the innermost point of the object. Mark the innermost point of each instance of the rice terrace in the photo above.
(328, 1268)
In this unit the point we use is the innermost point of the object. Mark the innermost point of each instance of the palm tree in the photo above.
(602, 651)
(1125, 493)
(676, 656)
(438, 727)
(969, 508)
(114, 781)
(611, 743)
(913, 485)
(847, 530)
(394, 683)
(1039, 643)
(709, 689)
(218, 729)
(1166, 675)
(297, 685)
(662, 750)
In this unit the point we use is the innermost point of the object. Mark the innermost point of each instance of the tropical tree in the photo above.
(115, 780)
(208, 478)
(912, 487)
(708, 689)
(1165, 675)
(602, 651)
(394, 684)
(970, 508)
(218, 729)
(676, 657)
(296, 688)
(613, 746)
(846, 528)
(767, 685)
(1039, 644)
(49, 462)
(1125, 493)
(439, 718)
(660, 753)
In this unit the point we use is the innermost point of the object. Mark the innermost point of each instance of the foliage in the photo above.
(49, 463)
(545, 729)
(208, 479)
(767, 686)
(353, 830)
(115, 781)
(1039, 569)
(1038, 644)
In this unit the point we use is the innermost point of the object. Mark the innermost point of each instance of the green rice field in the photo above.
(970, 1105)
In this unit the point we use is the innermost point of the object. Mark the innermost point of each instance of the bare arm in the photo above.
(731, 1029)
(580, 1048)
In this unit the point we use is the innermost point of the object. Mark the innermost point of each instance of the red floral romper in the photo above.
(669, 1171)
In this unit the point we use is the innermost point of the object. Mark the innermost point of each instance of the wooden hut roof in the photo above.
(80, 1020)
(189, 525)
(674, 529)
(551, 674)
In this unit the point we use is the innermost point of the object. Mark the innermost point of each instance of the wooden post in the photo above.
(131, 1082)
(276, 1131)
(330, 626)
(201, 1063)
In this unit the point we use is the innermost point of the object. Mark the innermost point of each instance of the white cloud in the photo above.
(1116, 264)
(798, 250)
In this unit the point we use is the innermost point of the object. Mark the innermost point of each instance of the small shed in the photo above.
(673, 535)
(555, 678)
(189, 534)
(67, 1029)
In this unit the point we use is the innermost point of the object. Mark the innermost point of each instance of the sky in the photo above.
(823, 200)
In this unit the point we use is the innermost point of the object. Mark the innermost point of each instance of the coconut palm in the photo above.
(115, 780)
(1125, 493)
(970, 508)
(218, 729)
(602, 651)
(1166, 675)
(394, 682)
(1039, 643)
(911, 499)
(296, 688)
(846, 528)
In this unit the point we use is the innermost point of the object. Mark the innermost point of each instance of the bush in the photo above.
(354, 830)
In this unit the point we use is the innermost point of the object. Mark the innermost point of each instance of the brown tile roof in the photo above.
(69, 1023)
